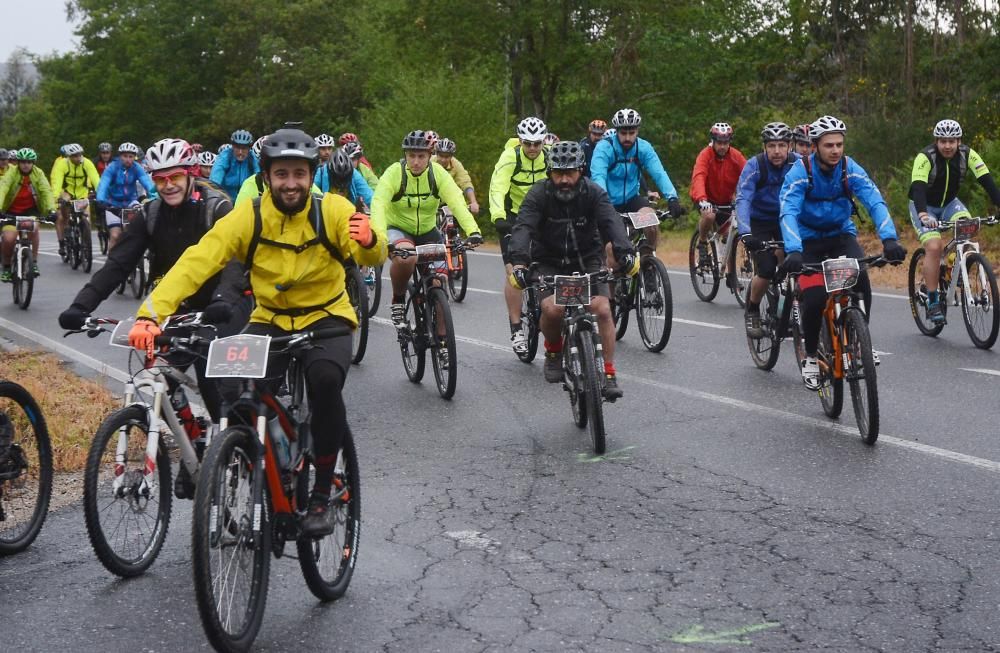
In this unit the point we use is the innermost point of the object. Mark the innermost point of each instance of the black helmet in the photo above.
(417, 140)
(565, 155)
(289, 144)
(340, 168)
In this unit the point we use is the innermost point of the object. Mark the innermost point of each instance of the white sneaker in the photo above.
(519, 341)
(878, 361)
(810, 372)
(398, 315)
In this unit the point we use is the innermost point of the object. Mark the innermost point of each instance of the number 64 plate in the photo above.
(243, 356)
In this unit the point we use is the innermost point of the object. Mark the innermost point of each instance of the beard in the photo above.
(289, 209)
(567, 192)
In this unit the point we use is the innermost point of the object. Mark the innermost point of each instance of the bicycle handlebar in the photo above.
(876, 261)
(549, 280)
(987, 221)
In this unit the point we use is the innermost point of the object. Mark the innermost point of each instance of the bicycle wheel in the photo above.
(373, 280)
(231, 562)
(621, 304)
(86, 247)
(918, 295)
(860, 373)
(704, 280)
(127, 513)
(575, 384)
(980, 301)
(411, 340)
(458, 279)
(25, 472)
(831, 390)
(444, 356)
(740, 271)
(137, 280)
(592, 390)
(328, 563)
(102, 237)
(654, 306)
(764, 350)
(24, 282)
(530, 316)
(74, 246)
(357, 291)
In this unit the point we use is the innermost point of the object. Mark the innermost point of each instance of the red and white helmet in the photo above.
(170, 153)
(721, 131)
(348, 137)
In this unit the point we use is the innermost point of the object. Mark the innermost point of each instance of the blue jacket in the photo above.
(359, 187)
(229, 174)
(753, 203)
(825, 210)
(618, 172)
(117, 187)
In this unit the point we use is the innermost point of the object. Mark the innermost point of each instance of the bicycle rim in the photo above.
(25, 281)
(918, 295)
(861, 375)
(357, 291)
(529, 322)
(413, 352)
(127, 513)
(230, 564)
(980, 302)
(26, 474)
(764, 350)
(654, 306)
(831, 390)
(704, 281)
(443, 352)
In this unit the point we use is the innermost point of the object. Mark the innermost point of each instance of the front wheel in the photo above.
(373, 282)
(86, 247)
(357, 292)
(918, 295)
(441, 333)
(704, 279)
(980, 302)
(621, 304)
(74, 246)
(137, 280)
(654, 305)
(575, 383)
(860, 373)
(764, 350)
(592, 390)
(530, 316)
(24, 279)
(411, 339)
(458, 278)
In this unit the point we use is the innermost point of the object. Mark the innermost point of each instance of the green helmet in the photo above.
(26, 154)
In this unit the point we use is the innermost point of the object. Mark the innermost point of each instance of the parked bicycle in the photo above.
(735, 263)
(254, 489)
(22, 269)
(25, 468)
(975, 282)
(648, 292)
(455, 254)
(79, 248)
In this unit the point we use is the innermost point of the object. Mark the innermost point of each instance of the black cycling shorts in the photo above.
(765, 261)
(632, 205)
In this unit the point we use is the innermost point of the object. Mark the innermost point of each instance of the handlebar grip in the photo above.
(163, 341)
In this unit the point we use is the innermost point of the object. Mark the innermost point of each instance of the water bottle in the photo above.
(279, 441)
(181, 406)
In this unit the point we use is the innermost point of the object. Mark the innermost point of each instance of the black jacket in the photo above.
(559, 233)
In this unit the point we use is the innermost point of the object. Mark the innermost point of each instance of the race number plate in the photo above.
(129, 214)
(643, 219)
(432, 252)
(966, 229)
(572, 291)
(243, 356)
(840, 273)
(81, 205)
(119, 337)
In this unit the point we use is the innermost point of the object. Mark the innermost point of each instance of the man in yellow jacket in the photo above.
(74, 177)
(294, 245)
(444, 154)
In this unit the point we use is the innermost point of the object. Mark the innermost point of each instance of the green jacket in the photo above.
(369, 175)
(511, 180)
(415, 213)
(10, 184)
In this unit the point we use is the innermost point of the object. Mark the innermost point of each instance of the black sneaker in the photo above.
(611, 389)
(553, 367)
(704, 259)
(319, 519)
(62, 248)
(183, 485)
(752, 317)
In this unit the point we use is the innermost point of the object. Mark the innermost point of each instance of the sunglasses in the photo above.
(173, 179)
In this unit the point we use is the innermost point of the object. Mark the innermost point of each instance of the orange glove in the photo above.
(361, 230)
(143, 334)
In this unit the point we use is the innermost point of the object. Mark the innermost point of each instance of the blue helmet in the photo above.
(241, 137)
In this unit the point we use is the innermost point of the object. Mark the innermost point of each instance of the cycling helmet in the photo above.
(206, 158)
(255, 148)
(566, 155)
(224, 147)
(73, 148)
(775, 131)
(325, 140)
(128, 148)
(826, 125)
(104, 147)
(531, 129)
(446, 146)
(610, 133)
(241, 137)
(170, 153)
(801, 134)
(26, 154)
(289, 144)
(626, 118)
(340, 168)
(598, 126)
(948, 129)
(348, 137)
(721, 131)
(416, 140)
(353, 149)
(4, 154)
(62, 150)
(432, 137)
(550, 139)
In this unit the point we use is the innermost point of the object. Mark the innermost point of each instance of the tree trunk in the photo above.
(908, 55)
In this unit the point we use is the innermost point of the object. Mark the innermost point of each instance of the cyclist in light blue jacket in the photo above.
(235, 164)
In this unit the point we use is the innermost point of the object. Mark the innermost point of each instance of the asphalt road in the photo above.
(728, 514)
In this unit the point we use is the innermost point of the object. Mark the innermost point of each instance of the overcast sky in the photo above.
(38, 25)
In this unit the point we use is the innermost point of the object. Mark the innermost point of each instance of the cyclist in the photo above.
(235, 164)
(406, 203)
(348, 137)
(24, 190)
(357, 155)
(74, 178)
(938, 172)
(254, 185)
(294, 244)
(816, 207)
(326, 145)
(713, 183)
(205, 162)
(103, 157)
(517, 170)
(757, 212)
(595, 132)
(341, 177)
(444, 154)
(117, 189)
(803, 143)
(563, 226)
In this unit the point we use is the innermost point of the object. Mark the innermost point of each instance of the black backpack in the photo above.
(402, 182)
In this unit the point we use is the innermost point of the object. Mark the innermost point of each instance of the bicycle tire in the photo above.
(87, 247)
(25, 282)
(740, 270)
(575, 385)
(329, 582)
(621, 305)
(987, 307)
(530, 315)
(860, 371)
(706, 286)
(132, 507)
(357, 291)
(414, 352)
(831, 390)
(918, 296)
(592, 390)
(76, 251)
(374, 289)
(459, 278)
(444, 354)
(137, 280)
(232, 452)
(28, 493)
(102, 239)
(765, 350)
(661, 300)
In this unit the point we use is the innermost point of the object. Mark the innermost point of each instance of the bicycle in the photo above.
(845, 349)
(778, 315)
(23, 259)
(79, 249)
(127, 496)
(653, 302)
(455, 255)
(373, 283)
(531, 318)
(583, 353)
(25, 469)
(975, 284)
(738, 263)
(254, 487)
(139, 279)
(100, 226)
(357, 291)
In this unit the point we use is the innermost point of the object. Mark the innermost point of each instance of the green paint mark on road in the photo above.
(620, 454)
(698, 635)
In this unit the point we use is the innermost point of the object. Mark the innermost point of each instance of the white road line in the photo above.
(981, 370)
(63, 350)
(697, 323)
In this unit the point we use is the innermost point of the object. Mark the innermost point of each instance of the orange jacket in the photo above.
(715, 179)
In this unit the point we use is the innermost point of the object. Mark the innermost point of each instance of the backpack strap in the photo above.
(259, 180)
(402, 181)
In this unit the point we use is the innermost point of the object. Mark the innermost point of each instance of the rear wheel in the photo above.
(918, 295)
(621, 305)
(573, 370)
(24, 280)
(458, 279)
(87, 246)
(860, 374)
(705, 280)
(764, 350)
(980, 302)
(357, 291)
(831, 390)
(592, 391)
(411, 340)
(373, 282)
(654, 304)
(529, 322)
(740, 270)
(444, 355)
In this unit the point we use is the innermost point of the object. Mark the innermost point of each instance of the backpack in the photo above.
(402, 182)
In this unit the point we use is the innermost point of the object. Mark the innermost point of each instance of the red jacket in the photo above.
(715, 179)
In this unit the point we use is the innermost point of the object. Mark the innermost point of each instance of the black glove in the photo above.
(502, 226)
(217, 312)
(475, 239)
(751, 242)
(892, 251)
(793, 262)
(675, 208)
(72, 318)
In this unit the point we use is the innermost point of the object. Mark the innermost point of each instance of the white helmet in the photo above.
(609, 133)
(128, 148)
(626, 118)
(826, 125)
(531, 129)
(170, 153)
(73, 148)
(255, 148)
(325, 140)
(944, 129)
(207, 158)
(224, 147)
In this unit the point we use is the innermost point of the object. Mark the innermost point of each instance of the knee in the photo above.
(601, 308)
(325, 376)
(767, 265)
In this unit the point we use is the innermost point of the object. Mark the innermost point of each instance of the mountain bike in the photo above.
(778, 314)
(531, 318)
(373, 283)
(357, 291)
(79, 249)
(25, 469)
(23, 260)
(975, 284)
(254, 488)
(455, 255)
(735, 262)
(648, 292)
(127, 482)
(583, 353)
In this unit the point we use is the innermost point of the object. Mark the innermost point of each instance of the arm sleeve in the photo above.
(248, 190)
(146, 182)
(452, 196)
(600, 162)
(698, 176)
(983, 176)
(121, 260)
(793, 193)
(46, 201)
(654, 167)
(500, 184)
(362, 189)
(525, 229)
(745, 190)
(866, 191)
(918, 182)
(337, 211)
(461, 175)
